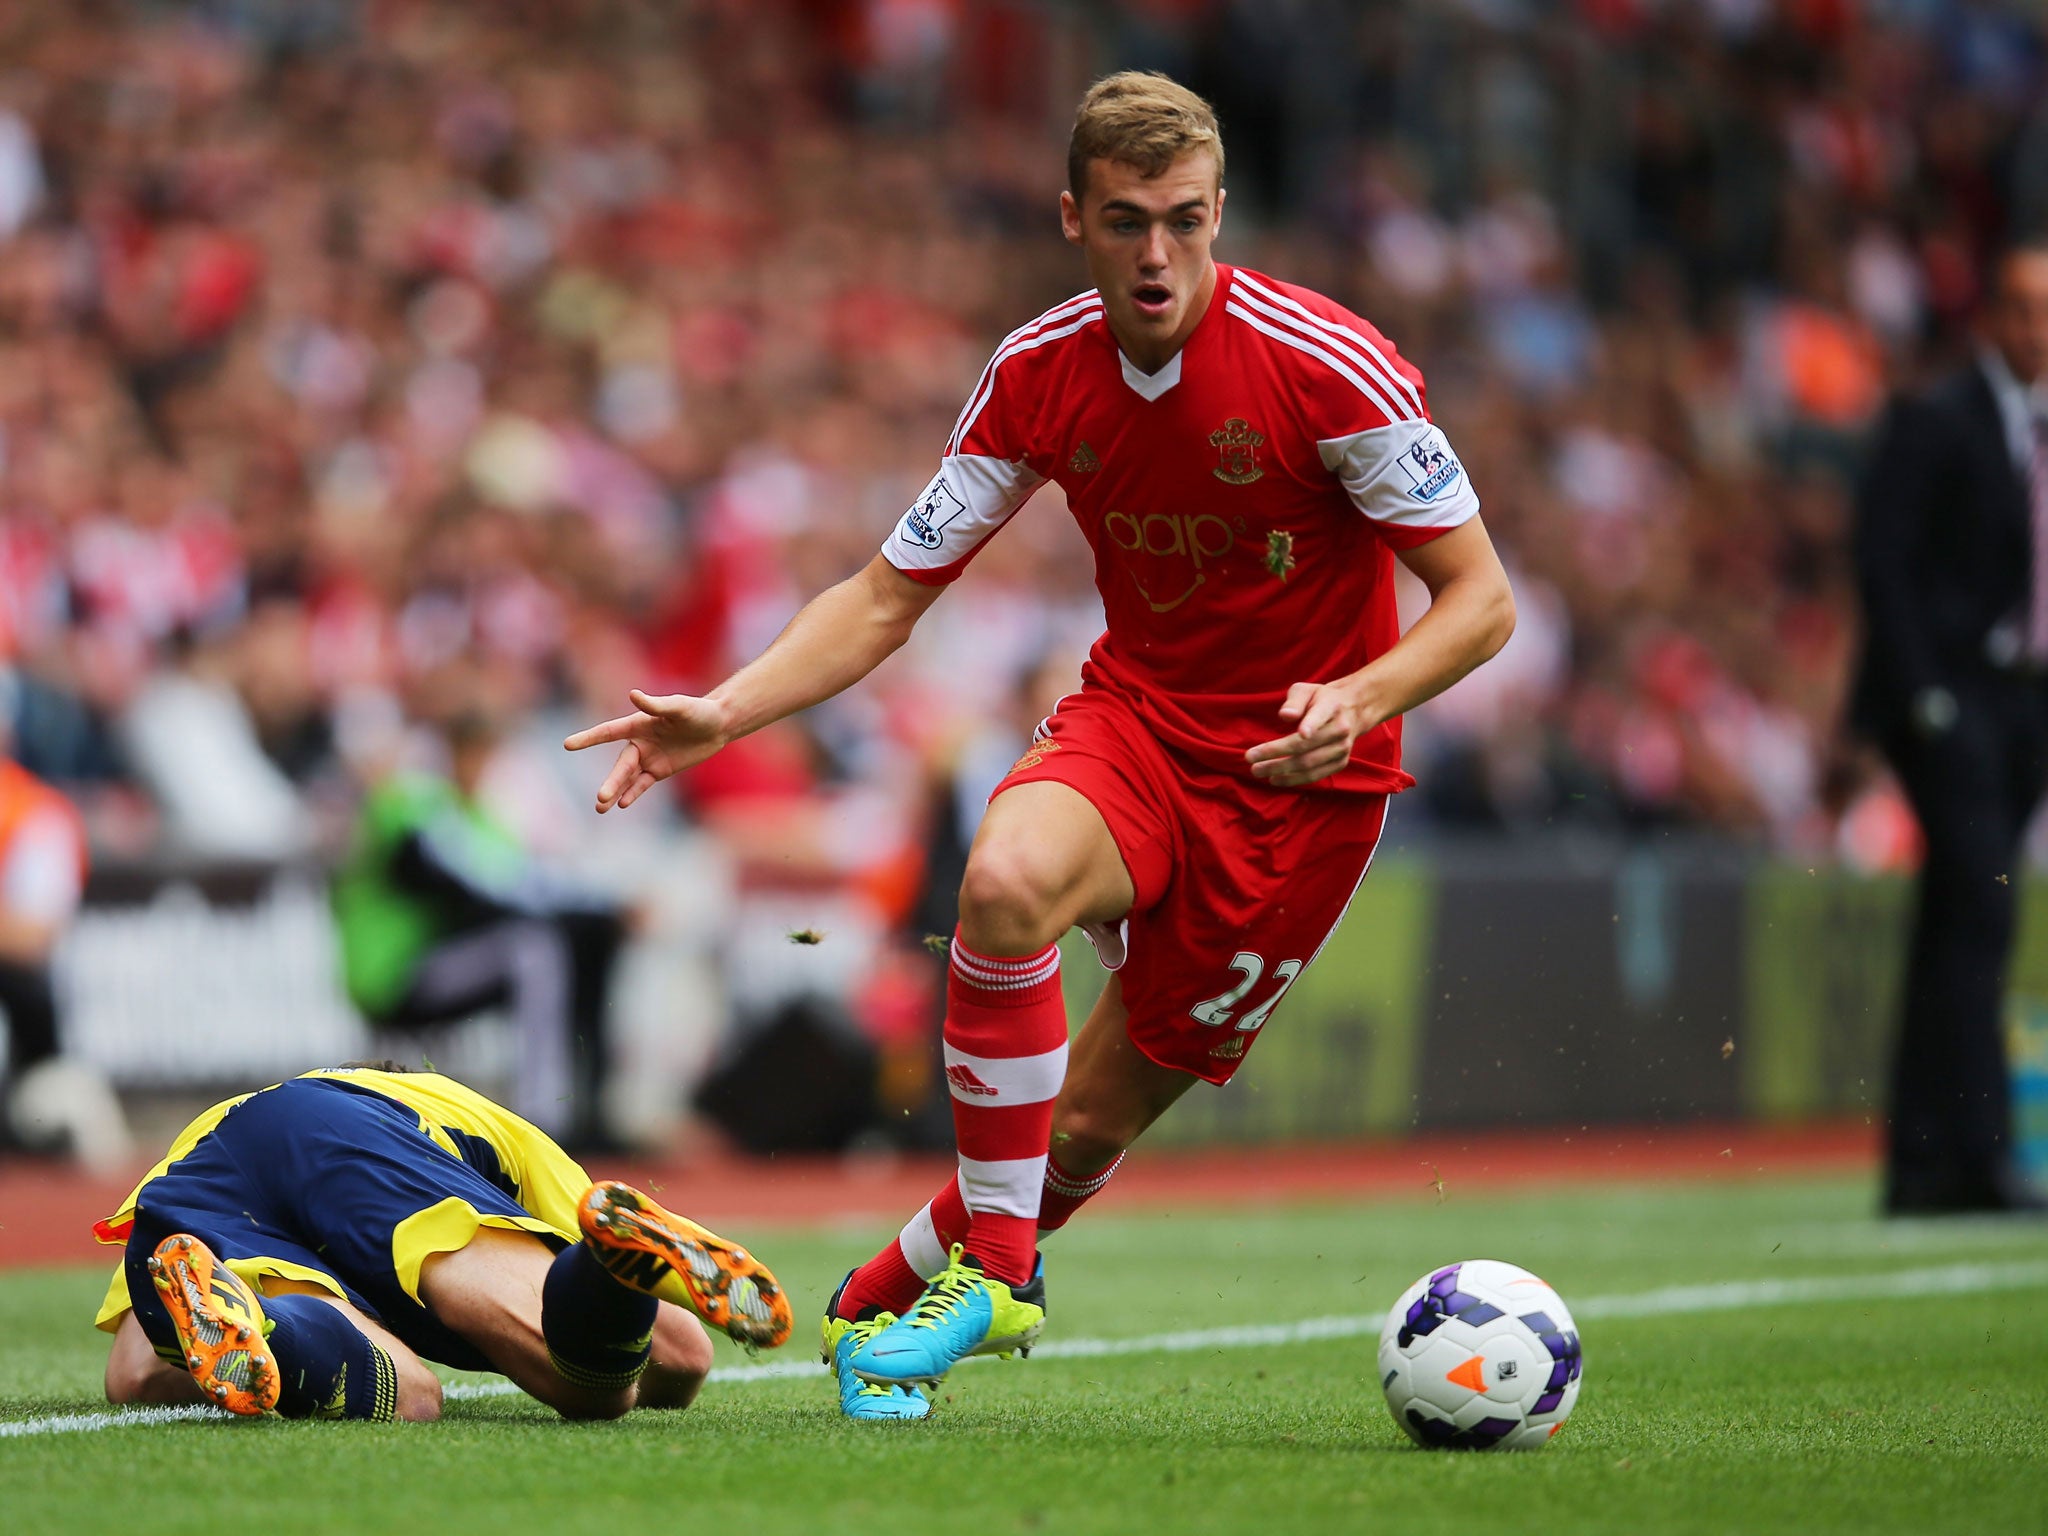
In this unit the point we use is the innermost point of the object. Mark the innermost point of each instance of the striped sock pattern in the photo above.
(315, 1347)
(1065, 1193)
(886, 1283)
(928, 1237)
(1006, 1055)
(895, 1277)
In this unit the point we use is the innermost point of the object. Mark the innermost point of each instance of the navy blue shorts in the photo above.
(321, 1180)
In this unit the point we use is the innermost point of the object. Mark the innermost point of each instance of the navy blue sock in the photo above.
(599, 1332)
(330, 1368)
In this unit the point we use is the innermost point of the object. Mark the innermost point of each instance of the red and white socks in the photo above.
(1006, 1055)
(1065, 1193)
(927, 1239)
(895, 1277)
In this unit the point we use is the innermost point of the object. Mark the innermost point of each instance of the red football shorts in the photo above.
(1239, 884)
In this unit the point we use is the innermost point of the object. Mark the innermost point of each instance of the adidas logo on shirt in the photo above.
(1084, 460)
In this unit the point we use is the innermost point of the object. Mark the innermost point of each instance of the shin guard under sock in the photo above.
(895, 1277)
(1006, 1055)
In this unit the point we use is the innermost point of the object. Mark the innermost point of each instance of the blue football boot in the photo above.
(962, 1312)
(863, 1399)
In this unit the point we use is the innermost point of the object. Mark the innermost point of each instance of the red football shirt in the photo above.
(1285, 421)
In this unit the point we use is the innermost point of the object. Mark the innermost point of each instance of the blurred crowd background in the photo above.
(377, 375)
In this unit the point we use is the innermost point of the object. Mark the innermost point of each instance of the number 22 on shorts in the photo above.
(1249, 967)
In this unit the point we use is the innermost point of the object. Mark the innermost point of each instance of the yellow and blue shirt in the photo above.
(350, 1180)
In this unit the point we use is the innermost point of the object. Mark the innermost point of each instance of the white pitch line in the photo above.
(75, 1423)
(1668, 1301)
(1944, 1280)
(1925, 1238)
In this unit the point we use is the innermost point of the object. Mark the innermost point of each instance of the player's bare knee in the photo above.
(1007, 905)
(681, 1361)
(672, 1386)
(692, 1355)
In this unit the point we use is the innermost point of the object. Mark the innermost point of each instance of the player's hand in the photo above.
(668, 735)
(1326, 719)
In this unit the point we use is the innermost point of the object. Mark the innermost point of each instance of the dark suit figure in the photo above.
(1952, 558)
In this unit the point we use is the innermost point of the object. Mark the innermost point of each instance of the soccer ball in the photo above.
(1480, 1356)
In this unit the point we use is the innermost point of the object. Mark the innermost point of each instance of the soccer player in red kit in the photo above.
(1248, 460)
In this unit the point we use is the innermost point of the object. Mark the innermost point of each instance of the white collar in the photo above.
(2020, 405)
(1151, 385)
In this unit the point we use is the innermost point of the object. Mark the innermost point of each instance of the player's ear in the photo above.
(1070, 218)
(1216, 219)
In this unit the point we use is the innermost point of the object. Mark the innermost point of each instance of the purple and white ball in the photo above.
(1480, 1356)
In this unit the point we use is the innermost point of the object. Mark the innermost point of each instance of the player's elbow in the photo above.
(1485, 606)
(895, 601)
(1498, 617)
(139, 1377)
(124, 1382)
(135, 1374)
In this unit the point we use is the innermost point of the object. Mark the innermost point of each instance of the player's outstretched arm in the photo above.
(1471, 614)
(136, 1375)
(838, 638)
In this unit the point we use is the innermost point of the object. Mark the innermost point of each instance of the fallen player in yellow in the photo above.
(309, 1247)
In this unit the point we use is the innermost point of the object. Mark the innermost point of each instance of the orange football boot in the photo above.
(220, 1325)
(638, 1242)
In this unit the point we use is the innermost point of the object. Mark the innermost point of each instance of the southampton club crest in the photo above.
(1237, 444)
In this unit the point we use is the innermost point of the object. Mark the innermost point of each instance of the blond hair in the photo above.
(1141, 119)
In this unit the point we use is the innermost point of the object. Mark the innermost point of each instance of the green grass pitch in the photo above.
(1811, 1412)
